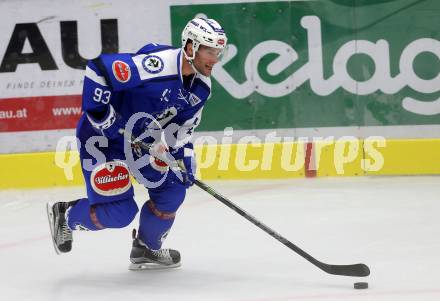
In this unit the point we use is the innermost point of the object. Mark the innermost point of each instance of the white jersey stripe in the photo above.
(91, 74)
(165, 64)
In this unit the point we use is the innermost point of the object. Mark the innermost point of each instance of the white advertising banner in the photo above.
(44, 46)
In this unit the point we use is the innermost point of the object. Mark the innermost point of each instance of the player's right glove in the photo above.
(109, 125)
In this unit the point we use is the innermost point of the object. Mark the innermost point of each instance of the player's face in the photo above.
(206, 58)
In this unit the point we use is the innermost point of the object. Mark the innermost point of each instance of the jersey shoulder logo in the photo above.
(152, 64)
(121, 71)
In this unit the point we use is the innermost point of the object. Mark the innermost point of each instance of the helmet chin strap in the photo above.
(190, 60)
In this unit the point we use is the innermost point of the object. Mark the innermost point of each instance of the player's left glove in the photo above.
(190, 169)
(187, 156)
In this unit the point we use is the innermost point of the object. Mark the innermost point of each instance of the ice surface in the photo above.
(390, 223)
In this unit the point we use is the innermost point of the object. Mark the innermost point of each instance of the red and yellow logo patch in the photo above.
(121, 71)
(111, 178)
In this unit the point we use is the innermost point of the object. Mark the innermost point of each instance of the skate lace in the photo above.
(65, 234)
(162, 253)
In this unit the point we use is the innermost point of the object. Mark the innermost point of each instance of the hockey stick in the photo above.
(355, 270)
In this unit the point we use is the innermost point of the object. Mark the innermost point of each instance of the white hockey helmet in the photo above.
(201, 31)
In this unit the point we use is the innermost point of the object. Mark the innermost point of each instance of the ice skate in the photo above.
(61, 233)
(143, 258)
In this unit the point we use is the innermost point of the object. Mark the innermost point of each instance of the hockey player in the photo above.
(168, 88)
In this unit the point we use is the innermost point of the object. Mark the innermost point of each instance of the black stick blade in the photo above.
(354, 270)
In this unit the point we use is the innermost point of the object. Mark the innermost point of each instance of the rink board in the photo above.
(251, 161)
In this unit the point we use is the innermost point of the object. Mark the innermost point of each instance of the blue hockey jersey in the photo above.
(149, 81)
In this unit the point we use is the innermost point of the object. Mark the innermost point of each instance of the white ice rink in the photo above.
(390, 223)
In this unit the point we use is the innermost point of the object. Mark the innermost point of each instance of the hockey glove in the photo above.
(160, 156)
(110, 125)
(187, 156)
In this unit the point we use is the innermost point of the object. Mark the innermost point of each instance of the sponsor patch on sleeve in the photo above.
(121, 71)
(111, 178)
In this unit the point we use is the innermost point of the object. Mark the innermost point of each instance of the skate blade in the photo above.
(151, 266)
(52, 231)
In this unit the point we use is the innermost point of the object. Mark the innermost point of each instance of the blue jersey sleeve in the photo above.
(112, 73)
(97, 94)
(125, 71)
(120, 70)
